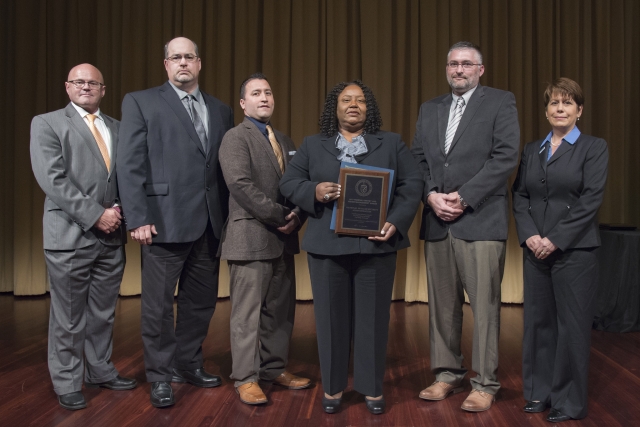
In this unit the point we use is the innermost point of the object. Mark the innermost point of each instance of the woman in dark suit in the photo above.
(556, 197)
(352, 277)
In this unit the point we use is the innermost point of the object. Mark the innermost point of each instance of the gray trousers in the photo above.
(263, 304)
(455, 266)
(84, 291)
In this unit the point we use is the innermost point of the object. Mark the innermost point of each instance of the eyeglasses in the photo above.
(465, 65)
(178, 58)
(79, 84)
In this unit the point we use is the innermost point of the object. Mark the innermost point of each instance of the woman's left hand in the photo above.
(545, 248)
(387, 231)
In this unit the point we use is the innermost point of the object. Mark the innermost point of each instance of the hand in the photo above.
(533, 242)
(293, 223)
(109, 221)
(545, 248)
(453, 200)
(387, 231)
(441, 205)
(144, 234)
(330, 190)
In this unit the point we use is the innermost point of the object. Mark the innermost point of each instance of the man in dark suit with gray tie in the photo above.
(260, 240)
(175, 200)
(466, 144)
(72, 152)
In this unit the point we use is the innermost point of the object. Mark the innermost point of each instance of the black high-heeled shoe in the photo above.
(331, 406)
(376, 407)
(534, 407)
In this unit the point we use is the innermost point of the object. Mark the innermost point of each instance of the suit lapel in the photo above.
(171, 97)
(215, 125)
(542, 155)
(474, 103)
(329, 144)
(564, 148)
(373, 142)
(262, 141)
(76, 122)
(114, 140)
(443, 120)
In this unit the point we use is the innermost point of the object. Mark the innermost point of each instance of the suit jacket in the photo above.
(483, 153)
(560, 199)
(165, 176)
(256, 207)
(69, 168)
(316, 161)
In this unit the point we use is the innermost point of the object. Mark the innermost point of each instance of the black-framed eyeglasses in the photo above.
(178, 58)
(465, 65)
(79, 84)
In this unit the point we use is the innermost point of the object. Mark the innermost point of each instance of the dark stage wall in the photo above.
(305, 47)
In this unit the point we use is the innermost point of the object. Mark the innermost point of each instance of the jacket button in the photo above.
(109, 180)
(544, 199)
(543, 180)
(446, 165)
(208, 165)
(207, 188)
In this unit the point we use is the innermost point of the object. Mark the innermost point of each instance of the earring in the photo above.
(578, 118)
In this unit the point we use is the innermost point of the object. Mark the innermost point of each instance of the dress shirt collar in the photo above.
(262, 127)
(466, 96)
(84, 112)
(181, 93)
(571, 137)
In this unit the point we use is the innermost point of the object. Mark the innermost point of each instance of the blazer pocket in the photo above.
(157, 189)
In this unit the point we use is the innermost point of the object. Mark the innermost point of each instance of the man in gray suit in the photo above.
(259, 242)
(175, 200)
(466, 144)
(72, 152)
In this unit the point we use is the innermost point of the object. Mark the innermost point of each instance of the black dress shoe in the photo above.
(72, 401)
(534, 407)
(198, 377)
(118, 383)
(376, 407)
(331, 406)
(161, 394)
(556, 416)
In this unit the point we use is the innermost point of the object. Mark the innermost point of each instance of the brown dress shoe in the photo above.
(251, 394)
(478, 401)
(439, 390)
(290, 381)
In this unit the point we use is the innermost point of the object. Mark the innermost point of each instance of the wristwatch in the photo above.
(462, 202)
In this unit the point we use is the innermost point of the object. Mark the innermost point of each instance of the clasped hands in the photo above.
(541, 247)
(109, 221)
(329, 191)
(447, 207)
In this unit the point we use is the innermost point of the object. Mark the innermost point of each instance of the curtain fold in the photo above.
(398, 48)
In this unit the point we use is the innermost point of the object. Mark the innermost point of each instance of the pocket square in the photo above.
(291, 153)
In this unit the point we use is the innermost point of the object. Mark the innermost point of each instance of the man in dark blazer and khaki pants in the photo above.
(72, 152)
(466, 144)
(175, 200)
(259, 242)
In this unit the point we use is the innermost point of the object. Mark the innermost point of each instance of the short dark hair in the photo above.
(254, 76)
(465, 45)
(328, 120)
(566, 88)
(166, 47)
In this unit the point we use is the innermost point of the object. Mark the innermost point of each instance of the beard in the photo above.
(184, 78)
(460, 85)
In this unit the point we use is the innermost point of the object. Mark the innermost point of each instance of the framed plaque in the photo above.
(362, 206)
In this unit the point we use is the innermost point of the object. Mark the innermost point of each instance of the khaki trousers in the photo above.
(455, 266)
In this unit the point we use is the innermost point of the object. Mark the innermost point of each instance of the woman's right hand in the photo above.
(327, 192)
(533, 242)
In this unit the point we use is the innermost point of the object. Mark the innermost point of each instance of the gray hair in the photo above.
(465, 45)
(166, 47)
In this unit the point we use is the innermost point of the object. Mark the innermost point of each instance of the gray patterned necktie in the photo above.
(197, 122)
(453, 124)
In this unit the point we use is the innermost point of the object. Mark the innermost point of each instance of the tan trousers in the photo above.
(455, 266)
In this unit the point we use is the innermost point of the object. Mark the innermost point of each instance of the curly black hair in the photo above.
(329, 122)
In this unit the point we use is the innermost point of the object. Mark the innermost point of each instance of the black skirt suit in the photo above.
(559, 199)
(352, 277)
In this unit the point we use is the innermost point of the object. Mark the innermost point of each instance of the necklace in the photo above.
(555, 145)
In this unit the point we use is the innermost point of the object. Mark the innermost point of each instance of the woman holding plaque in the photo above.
(556, 197)
(352, 276)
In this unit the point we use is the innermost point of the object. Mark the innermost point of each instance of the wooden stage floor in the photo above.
(27, 398)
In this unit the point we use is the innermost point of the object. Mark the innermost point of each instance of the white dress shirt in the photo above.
(100, 125)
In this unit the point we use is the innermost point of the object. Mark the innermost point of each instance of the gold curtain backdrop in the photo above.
(305, 47)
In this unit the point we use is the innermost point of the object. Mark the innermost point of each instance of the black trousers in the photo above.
(196, 266)
(351, 301)
(559, 305)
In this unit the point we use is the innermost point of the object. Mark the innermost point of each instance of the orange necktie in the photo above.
(101, 145)
(276, 148)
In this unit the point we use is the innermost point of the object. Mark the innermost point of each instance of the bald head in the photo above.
(85, 87)
(182, 63)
